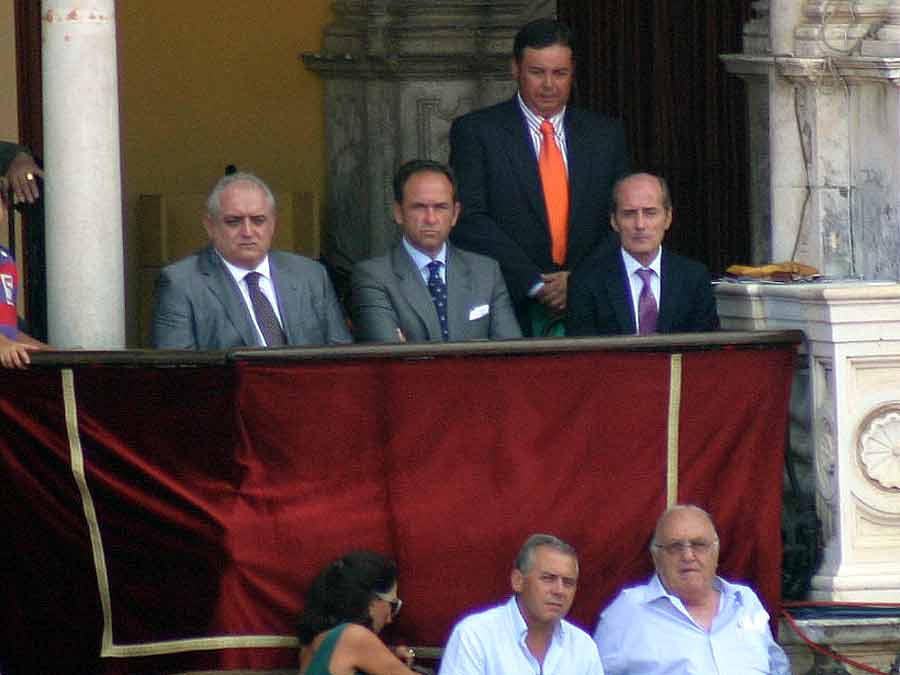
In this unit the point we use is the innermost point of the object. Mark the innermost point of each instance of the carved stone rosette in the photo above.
(878, 448)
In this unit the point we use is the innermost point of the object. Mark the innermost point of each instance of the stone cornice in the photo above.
(815, 69)
(407, 67)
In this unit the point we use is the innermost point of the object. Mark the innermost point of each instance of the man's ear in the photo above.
(457, 209)
(398, 213)
(516, 580)
(514, 69)
(208, 225)
(612, 222)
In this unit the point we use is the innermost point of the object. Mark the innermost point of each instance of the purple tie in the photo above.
(647, 310)
(265, 315)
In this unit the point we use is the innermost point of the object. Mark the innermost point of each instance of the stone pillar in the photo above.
(853, 345)
(788, 178)
(396, 75)
(85, 257)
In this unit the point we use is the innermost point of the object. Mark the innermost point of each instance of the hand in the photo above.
(25, 189)
(15, 354)
(553, 292)
(405, 654)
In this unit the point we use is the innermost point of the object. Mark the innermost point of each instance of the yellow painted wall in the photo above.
(208, 83)
(9, 115)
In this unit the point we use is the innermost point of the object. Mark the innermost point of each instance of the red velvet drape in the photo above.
(219, 491)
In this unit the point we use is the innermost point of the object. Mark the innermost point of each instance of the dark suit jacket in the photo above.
(199, 305)
(503, 211)
(389, 293)
(600, 298)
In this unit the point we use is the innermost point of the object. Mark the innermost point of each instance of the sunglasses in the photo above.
(395, 603)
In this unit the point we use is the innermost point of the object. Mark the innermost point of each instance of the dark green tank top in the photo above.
(322, 658)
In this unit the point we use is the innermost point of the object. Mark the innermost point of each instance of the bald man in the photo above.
(686, 619)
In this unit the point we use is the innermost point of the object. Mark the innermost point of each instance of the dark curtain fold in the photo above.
(656, 66)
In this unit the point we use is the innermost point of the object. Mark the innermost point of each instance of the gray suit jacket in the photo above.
(389, 293)
(199, 305)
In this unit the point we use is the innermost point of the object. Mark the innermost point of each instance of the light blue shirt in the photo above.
(422, 260)
(648, 631)
(493, 643)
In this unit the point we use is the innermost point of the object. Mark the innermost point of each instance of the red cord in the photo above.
(816, 647)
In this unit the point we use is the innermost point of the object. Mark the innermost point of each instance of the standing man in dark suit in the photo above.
(425, 289)
(238, 293)
(640, 287)
(535, 176)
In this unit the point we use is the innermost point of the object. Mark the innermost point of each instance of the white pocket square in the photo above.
(478, 312)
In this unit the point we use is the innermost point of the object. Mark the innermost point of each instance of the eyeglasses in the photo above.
(698, 546)
(395, 603)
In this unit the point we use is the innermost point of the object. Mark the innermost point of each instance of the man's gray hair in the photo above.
(214, 201)
(681, 507)
(525, 559)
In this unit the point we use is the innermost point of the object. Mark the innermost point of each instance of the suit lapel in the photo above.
(578, 162)
(223, 286)
(619, 289)
(415, 291)
(522, 161)
(459, 291)
(668, 291)
(286, 287)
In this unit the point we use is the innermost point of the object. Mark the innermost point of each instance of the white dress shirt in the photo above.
(265, 285)
(648, 631)
(636, 284)
(493, 643)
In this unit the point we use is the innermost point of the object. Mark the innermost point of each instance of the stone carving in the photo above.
(405, 68)
(879, 447)
(826, 460)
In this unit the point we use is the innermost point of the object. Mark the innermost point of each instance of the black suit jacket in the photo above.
(600, 302)
(503, 211)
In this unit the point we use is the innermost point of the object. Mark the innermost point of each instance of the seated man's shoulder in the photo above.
(475, 259)
(373, 264)
(688, 265)
(296, 261)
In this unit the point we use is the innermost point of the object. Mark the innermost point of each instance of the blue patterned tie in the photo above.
(265, 315)
(438, 295)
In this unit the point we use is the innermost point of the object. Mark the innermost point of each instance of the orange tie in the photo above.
(556, 191)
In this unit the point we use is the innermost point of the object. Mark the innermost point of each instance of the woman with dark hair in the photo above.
(350, 601)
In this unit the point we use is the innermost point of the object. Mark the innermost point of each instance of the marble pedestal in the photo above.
(852, 356)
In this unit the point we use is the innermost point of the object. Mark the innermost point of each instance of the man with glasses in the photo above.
(686, 619)
(527, 634)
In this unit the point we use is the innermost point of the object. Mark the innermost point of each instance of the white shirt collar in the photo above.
(534, 120)
(631, 264)
(239, 272)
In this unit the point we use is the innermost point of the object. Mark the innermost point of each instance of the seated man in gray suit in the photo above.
(640, 287)
(238, 293)
(424, 289)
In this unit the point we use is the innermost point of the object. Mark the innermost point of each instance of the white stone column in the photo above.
(853, 345)
(787, 171)
(85, 257)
